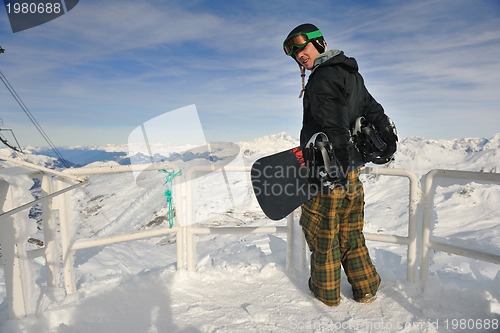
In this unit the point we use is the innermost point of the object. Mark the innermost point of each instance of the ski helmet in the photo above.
(298, 38)
(301, 35)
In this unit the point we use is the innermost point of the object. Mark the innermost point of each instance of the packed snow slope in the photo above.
(241, 284)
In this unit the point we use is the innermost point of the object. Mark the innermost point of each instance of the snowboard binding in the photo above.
(321, 162)
(367, 140)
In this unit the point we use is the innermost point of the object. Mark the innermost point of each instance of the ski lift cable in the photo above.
(23, 107)
(37, 125)
(32, 118)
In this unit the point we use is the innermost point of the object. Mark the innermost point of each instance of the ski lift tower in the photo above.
(4, 140)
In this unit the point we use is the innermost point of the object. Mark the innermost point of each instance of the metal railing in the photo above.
(413, 201)
(13, 231)
(428, 199)
(410, 241)
(186, 231)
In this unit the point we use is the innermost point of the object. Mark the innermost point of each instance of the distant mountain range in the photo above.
(475, 154)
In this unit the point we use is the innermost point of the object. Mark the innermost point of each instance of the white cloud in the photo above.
(120, 63)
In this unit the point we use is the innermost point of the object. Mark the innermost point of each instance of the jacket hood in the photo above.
(335, 57)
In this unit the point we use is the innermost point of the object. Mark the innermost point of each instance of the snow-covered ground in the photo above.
(241, 284)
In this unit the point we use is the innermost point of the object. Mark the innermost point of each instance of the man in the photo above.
(334, 97)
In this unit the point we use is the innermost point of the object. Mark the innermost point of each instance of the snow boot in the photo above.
(367, 298)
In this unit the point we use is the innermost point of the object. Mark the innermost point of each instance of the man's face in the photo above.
(306, 55)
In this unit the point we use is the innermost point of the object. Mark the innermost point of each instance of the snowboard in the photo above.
(280, 183)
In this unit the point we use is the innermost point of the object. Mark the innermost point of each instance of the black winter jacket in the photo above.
(335, 96)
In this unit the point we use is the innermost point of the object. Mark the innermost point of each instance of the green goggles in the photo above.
(299, 40)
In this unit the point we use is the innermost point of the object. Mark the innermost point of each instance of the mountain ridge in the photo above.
(479, 154)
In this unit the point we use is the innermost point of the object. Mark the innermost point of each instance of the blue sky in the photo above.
(96, 73)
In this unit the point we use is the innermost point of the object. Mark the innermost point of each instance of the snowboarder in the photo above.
(332, 222)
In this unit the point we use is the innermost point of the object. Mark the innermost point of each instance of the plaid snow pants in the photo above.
(333, 228)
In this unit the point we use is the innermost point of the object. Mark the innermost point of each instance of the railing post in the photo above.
(297, 250)
(61, 203)
(414, 202)
(290, 242)
(13, 237)
(182, 216)
(49, 235)
(428, 199)
(189, 220)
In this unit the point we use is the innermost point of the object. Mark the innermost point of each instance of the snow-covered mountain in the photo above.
(240, 284)
(415, 153)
